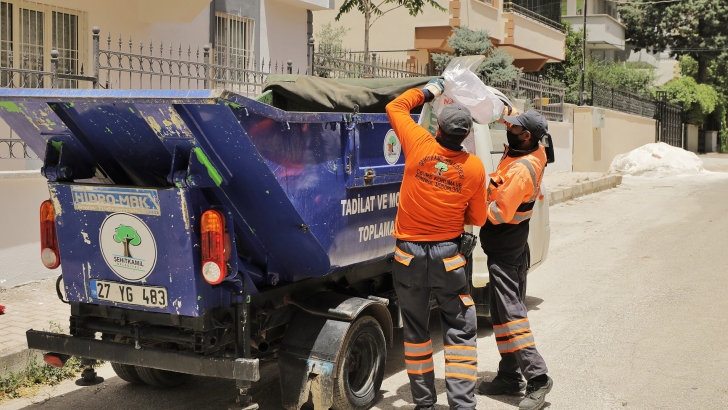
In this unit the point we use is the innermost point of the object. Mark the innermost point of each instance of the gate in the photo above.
(669, 126)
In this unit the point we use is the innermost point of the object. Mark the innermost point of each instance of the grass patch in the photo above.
(35, 375)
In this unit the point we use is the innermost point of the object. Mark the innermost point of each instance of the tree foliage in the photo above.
(497, 66)
(698, 100)
(369, 9)
(331, 39)
(568, 72)
(619, 75)
(696, 28)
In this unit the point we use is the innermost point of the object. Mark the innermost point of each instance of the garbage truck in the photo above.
(201, 232)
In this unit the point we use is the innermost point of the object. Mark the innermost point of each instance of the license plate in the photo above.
(149, 296)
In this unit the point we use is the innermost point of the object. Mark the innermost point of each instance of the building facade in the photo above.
(529, 30)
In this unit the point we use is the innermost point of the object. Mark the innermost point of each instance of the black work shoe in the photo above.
(536, 395)
(500, 385)
(420, 407)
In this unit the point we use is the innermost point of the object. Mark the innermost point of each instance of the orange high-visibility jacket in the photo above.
(442, 189)
(514, 187)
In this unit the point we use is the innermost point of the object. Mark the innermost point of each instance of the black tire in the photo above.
(127, 373)
(161, 378)
(360, 367)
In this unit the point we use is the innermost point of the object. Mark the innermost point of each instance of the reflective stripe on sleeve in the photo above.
(533, 177)
(454, 262)
(516, 343)
(402, 257)
(496, 214)
(418, 349)
(517, 326)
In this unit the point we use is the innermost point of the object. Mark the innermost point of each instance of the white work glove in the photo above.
(435, 86)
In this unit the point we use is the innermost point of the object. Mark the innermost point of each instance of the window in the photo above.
(234, 41)
(30, 31)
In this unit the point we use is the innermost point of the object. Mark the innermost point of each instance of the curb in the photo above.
(17, 361)
(584, 188)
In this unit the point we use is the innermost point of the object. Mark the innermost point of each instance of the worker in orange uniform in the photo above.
(512, 192)
(443, 189)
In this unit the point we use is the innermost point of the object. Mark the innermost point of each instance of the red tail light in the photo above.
(48, 240)
(215, 244)
(55, 359)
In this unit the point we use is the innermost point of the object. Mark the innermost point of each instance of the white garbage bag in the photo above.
(465, 88)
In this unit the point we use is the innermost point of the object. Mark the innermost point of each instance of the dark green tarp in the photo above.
(315, 94)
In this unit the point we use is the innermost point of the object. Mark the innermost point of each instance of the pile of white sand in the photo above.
(657, 160)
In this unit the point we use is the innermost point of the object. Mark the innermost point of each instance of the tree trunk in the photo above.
(367, 18)
(703, 61)
(126, 248)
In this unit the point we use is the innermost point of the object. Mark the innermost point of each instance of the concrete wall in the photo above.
(595, 148)
(692, 137)
(562, 135)
(283, 37)
(21, 194)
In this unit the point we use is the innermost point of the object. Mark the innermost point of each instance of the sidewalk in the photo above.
(31, 306)
(36, 306)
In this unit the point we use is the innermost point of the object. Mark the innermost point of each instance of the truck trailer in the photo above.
(200, 232)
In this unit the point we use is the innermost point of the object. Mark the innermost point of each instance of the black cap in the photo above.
(455, 119)
(532, 121)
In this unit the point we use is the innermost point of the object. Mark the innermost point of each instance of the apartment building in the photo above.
(240, 32)
(529, 30)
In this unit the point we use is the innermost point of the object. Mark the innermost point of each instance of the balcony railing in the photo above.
(537, 11)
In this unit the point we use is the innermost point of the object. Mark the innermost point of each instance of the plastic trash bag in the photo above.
(465, 88)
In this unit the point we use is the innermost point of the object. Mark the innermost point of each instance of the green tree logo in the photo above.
(128, 236)
(392, 143)
(441, 167)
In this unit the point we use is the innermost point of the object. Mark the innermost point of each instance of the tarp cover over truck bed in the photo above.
(315, 94)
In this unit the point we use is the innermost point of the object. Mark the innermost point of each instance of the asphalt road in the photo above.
(628, 311)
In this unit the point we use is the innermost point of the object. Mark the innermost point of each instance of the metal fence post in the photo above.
(312, 55)
(54, 68)
(206, 62)
(289, 69)
(96, 57)
(612, 103)
(562, 95)
(374, 64)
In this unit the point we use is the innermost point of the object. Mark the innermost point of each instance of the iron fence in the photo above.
(337, 62)
(174, 67)
(669, 117)
(621, 100)
(539, 93)
(15, 148)
(130, 65)
(546, 12)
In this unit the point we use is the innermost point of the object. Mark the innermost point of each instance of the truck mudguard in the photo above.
(307, 357)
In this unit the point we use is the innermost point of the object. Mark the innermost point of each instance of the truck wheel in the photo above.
(161, 378)
(127, 373)
(360, 367)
